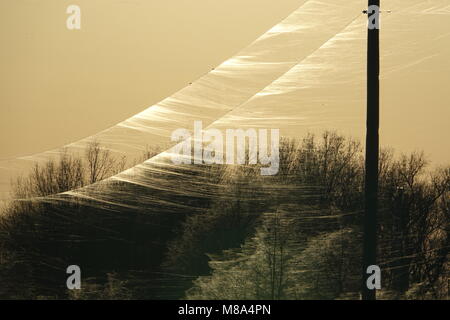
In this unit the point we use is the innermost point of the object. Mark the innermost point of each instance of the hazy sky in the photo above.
(60, 85)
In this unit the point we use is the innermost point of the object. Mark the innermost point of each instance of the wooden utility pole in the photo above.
(372, 151)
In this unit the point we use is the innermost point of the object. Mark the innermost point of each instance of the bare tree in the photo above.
(51, 177)
(100, 163)
(68, 172)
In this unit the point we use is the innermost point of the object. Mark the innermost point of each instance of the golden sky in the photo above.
(59, 86)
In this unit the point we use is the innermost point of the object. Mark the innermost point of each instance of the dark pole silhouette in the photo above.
(372, 149)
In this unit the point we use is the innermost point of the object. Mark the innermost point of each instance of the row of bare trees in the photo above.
(72, 171)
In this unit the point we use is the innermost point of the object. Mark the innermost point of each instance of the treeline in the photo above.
(114, 230)
(307, 244)
(71, 171)
(226, 232)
